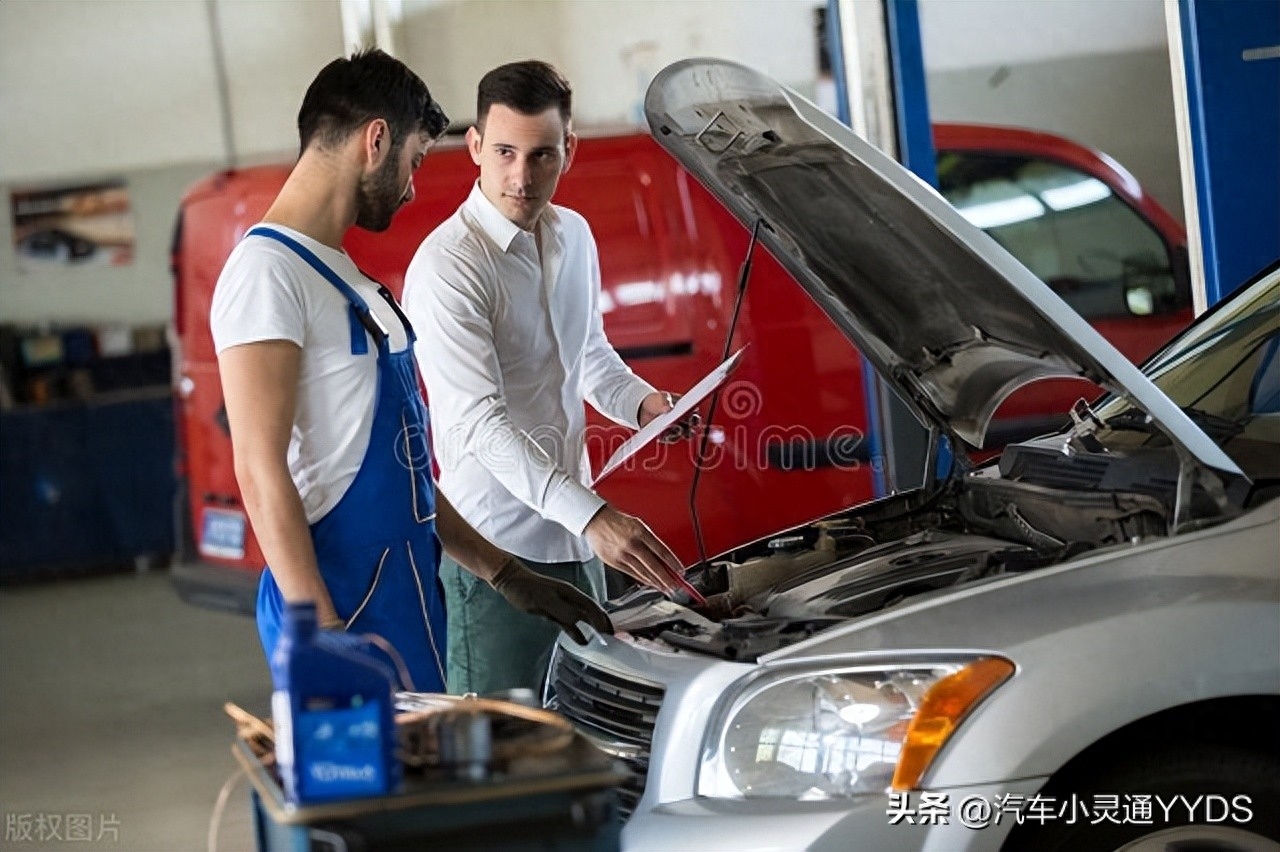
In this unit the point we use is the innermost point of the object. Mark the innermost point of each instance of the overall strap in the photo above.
(391, 300)
(395, 307)
(361, 318)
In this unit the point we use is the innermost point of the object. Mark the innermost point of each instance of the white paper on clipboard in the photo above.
(660, 424)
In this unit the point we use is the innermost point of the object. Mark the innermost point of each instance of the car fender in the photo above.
(1097, 643)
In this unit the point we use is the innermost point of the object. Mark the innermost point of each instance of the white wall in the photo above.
(99, 86)
(975, 33)
(274, 49)
(1094, 72)
(94, 89)
(609, 50)
(1077, 97)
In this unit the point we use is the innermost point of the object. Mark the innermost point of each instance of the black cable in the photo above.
(743, 274)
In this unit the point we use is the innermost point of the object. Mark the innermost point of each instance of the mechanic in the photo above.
(327, 424)
(506, 294)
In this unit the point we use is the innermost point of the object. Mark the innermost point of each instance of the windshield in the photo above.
(1225, 373)
(1070, 229)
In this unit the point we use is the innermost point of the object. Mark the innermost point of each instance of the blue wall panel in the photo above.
(1232, 55)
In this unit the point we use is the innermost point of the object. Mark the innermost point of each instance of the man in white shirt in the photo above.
(505, 295)
(322, 393)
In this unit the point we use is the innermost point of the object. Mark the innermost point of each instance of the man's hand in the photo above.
(626, 543)
(529, 591)
(660, 402)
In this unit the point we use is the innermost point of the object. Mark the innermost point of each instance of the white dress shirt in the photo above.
(510, 344)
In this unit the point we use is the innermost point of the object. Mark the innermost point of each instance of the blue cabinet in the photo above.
(87, 485)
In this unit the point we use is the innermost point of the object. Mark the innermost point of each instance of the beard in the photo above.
(379, 196)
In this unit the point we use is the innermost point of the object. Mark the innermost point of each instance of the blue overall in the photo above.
(377, 548)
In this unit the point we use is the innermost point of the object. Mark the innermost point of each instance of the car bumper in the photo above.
(217, 586)
(868, 823)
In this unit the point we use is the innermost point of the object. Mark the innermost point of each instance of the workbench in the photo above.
(562, 802)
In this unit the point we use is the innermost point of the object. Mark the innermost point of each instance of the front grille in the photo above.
(615, 711)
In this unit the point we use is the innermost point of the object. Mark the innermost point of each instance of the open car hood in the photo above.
(947, 316)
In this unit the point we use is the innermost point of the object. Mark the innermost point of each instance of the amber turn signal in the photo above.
(944, 707)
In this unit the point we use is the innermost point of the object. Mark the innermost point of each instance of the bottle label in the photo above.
(282, 716)
(340, 752)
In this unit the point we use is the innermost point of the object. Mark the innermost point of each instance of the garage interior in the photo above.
(111, 686)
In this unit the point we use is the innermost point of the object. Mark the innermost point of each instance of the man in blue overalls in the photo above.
(328, 428)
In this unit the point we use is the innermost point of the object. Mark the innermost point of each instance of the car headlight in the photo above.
(838, 732)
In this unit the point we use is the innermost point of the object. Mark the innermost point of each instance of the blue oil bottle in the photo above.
(333, 708)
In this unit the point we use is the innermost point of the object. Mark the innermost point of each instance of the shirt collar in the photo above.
(499, 228)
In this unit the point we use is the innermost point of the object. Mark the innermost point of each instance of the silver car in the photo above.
(1074, 646)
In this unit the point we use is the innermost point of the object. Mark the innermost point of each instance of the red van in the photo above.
(792, 420)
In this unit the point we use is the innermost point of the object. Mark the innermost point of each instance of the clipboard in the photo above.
(655, 427)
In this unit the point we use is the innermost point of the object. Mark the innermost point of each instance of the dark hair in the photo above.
(349, 93)
(528, 87)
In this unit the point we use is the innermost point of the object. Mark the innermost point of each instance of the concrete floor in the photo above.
(111, 721)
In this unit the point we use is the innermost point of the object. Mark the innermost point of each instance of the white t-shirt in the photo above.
(267, 292)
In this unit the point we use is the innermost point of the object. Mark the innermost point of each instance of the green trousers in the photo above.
(493, 645)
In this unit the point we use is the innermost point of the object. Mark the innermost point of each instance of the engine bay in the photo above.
(1024, 513)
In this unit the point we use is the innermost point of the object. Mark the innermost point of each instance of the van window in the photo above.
(1067, 227)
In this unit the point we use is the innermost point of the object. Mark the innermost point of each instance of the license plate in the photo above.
(222, 533)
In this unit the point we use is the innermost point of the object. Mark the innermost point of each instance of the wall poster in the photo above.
(68, 226)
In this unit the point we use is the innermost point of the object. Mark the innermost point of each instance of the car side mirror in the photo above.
(1149, 285)
(1139, 299)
